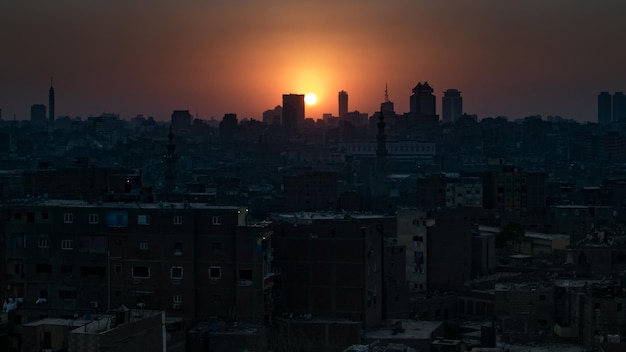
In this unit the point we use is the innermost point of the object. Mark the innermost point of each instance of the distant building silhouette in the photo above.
(293, 111)
(273, 117)
(451, 105)
(619, 107)
(38, 114)
(381, 145)
(343, 103)
(387, 106)
(228, 126)
(423, 101)
(181, 122)
(51, 105)
(170, 163)
(604, 108)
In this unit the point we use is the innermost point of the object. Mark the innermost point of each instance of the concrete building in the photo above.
(38, 115)
(310, 191)
(604, 109)
(451, 106)
(331, 266)
(343, 103)
(293, 112)
(181, 122)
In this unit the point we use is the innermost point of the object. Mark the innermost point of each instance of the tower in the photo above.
(451, 105)
(381, 143)
(343, 103)
(619, 107)
(170, 163)
(423, 101)
(604, 108)
(293, 112)
(387, 105)
(51, 105)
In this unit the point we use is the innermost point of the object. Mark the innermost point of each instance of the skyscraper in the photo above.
(619, 107)
(604, 108)
(423, 101)
(38, 115)
(293, 111)
(51, 104)
(451, 105)
(343, 103)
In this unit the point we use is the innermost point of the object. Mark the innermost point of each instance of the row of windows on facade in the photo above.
(137, 272)
(68, 218)
(19, 241)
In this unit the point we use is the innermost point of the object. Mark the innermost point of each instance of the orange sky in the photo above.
(213, 57)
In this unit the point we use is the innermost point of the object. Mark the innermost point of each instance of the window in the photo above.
(17, 216)
(18, 241)
(141, 272)
(176, 272)
(217, 220)
(215, 272)
(44, 242)
(93, 218)
(178, 248)
(67, 244)
(177, 299)
(217, 246)
(178, 220)
(44, 216)
(217, 298)
(30, 217)
(143, 220)
(68, 218)
(118, 268)
(18, 268)
(143, 246)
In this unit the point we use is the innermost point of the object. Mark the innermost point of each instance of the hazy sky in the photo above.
(513, 58)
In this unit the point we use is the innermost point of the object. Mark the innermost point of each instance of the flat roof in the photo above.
(120, 205)
(413, 329)
(59, 321)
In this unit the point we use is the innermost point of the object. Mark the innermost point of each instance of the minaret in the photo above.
(51, 105)
(170, 163)
(381, 143)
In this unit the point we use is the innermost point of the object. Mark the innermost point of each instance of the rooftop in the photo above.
(409, 329)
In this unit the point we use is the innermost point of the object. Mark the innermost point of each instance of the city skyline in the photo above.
(211, 58)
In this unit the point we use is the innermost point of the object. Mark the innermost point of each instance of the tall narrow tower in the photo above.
(381, 143)
(343, 103)
(170, 163)
(51, 105)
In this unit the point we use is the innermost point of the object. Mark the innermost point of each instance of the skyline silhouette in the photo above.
(212, 58)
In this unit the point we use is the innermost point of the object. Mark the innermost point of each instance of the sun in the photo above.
(310, 99)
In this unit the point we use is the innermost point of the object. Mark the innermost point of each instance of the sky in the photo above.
(211, 57)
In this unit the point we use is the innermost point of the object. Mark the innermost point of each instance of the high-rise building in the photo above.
(181, 122)
(604, 108)
(423, 101)
(619, 107)
(387, 105)
(293, 111)
(451, 105)
(51, 104)
(343, 103)
(38, 114)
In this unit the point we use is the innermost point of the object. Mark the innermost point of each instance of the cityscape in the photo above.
(172, 180)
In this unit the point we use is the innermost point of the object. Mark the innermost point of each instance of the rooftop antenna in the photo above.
(386, 93)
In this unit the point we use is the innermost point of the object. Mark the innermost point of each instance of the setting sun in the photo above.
(310, 99)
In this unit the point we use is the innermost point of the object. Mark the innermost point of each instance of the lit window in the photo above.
(68, 218)
(215, 272)
(143, 220)
(217, 220)
(44, 242)
(143, 246)
(141, 272)
(93, 218)
(178, 220)
(67, 244)
(176, 272)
